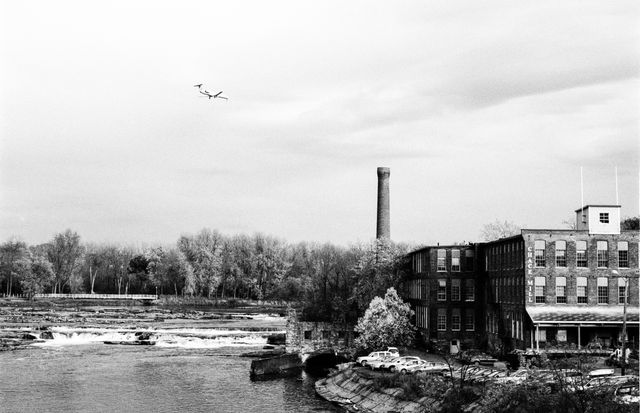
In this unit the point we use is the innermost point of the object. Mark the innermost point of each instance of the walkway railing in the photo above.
(100, 296)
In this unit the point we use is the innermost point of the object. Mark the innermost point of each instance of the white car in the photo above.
(628, 393)
(411, 366)
(395, 364)
(382, 362)
(608, 381)
(601, 372)
(427, 367)
(376, 355)
(394, 351)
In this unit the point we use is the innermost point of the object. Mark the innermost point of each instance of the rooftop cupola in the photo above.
(599, 219)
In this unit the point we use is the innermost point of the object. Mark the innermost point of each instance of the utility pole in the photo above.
(624, 325)
(623, 363)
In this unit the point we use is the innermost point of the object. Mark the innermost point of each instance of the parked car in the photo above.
(394, 365)
(628, 393)
(434, 367)
(610, 381)
(381, 363)
(394, 351)
(477, 357)
(601, 372)
(411, 366)
(376, 355)
(516, 377)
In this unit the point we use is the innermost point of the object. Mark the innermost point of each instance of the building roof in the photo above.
(470, 245)
(567, 314)
(597, 206)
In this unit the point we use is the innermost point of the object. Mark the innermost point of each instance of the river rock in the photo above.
(264, 353)
(143, 335)
(46, 335)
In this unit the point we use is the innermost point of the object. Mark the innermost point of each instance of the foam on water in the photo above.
(181, 338)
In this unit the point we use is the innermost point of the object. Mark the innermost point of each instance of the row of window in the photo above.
(581, 290)
(469, 290)
(515, 325)
(504, 256)
(455, 260)
(420, 261)
(456, 320)
(602, 254)
(418, 289)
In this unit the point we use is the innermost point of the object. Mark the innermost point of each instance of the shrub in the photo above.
(411, 386)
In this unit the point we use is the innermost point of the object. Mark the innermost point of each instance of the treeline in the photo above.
(332, 282)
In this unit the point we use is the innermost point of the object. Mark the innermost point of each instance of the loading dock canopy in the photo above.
(567, 314)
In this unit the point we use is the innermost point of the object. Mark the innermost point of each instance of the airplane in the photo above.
(209, 95)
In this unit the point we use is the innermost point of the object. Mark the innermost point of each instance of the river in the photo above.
(192, 368)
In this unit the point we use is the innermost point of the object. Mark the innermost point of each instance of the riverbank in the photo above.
(356, 392)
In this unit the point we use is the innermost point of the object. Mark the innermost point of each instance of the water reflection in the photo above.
(99, 378)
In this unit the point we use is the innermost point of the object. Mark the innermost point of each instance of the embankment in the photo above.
(357, 393)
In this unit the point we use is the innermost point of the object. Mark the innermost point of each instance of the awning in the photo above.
(567, 314)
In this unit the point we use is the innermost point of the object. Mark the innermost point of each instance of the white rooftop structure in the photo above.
(599, 219)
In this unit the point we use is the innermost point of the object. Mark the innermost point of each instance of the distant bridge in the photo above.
(143, 297)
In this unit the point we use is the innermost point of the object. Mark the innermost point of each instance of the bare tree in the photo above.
(499, 229)
(65, 254)
(11, 253)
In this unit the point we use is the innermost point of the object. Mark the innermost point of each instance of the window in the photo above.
(540, 289)
(421, 317)
(468, 255)
(581, 254)
(539, 253)
(604, 217)
(455, 290)
(603, 290)
(622, 291)
(561, 253)
(623, 254)
(603, 254)
(442, 255)
(581, 283)
(469, 323)
(442, 290)
(469, 290)
(541, 335)
(561, 336)
(455, 320)
(307, 335)
(455, 260)
(561, 290)
(423, 289)
(442, 319)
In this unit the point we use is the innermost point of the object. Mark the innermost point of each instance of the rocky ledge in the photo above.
(356, 393)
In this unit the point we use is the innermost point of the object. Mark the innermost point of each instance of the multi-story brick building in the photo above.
(541, 288)
(446, 292)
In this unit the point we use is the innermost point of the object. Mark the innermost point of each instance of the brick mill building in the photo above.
(543, 288)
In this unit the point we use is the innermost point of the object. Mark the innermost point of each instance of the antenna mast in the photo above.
(581, 189)
(617, 201)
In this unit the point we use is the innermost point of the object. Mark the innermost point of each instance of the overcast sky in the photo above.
(482, 110)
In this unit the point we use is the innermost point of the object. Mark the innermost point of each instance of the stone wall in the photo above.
(308, 336)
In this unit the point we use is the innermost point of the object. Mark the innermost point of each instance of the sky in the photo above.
(483, 111)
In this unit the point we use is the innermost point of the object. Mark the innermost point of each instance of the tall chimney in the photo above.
(383, 227)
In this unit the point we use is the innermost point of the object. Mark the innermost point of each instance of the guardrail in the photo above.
(100, 296)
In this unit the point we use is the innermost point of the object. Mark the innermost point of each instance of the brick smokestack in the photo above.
(383, 227)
